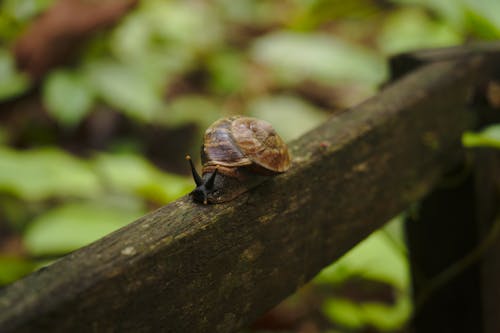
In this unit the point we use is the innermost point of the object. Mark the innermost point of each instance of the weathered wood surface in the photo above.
(193, 268)
(406, 62)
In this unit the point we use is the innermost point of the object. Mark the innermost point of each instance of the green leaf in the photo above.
(12, 83)
(483, 18)
(24, 10)
(344, 312)
(295, 57)
(379, 257)
(412, 28)
(73, 225)
(44, 173)
(315, 13)
(183, 24)
(255, 13)
(13, 268)
(357, 315)
(126, 88)
(480, 26)
(67, 96)
(165, 36)
(227, 72)
(375, 258)
(133, 174)
(388, 317)
(290, 116)
(189, 109)
(449, 12)
(489, 137)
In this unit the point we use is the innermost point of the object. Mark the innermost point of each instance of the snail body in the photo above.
(237, 154)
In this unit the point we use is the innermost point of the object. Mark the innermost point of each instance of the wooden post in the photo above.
(440, 233)
(452, 236)
(488, 217)
(487, 178)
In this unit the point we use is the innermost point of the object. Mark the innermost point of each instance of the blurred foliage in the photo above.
(97, 141)
(488, 137)
(381, 257)
(72, 225)
(298, 114)
(11, 268)
(44, 173)
(12, 83)
(294, 57)
(16, 14)
(411, 28)
(68, 97)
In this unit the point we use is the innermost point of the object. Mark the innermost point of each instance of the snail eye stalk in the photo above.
(196, 176)
(210, 182)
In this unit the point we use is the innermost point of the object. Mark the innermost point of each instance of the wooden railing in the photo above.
(193, 268)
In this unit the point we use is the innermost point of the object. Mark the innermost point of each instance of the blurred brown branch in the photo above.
(55, 37)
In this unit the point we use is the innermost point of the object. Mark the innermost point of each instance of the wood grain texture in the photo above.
(194, 268)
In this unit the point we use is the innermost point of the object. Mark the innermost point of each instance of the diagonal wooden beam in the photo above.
(194, 268)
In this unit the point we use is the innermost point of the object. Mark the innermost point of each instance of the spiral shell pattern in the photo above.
(244, 142)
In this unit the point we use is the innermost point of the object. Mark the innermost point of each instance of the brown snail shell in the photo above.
(237, 153)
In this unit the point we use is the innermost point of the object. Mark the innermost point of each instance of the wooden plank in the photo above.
(404, 63)
(194, 268)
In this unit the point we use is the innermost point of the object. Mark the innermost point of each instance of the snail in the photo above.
(237, 154)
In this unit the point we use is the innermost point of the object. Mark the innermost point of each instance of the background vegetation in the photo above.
(98, 107)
